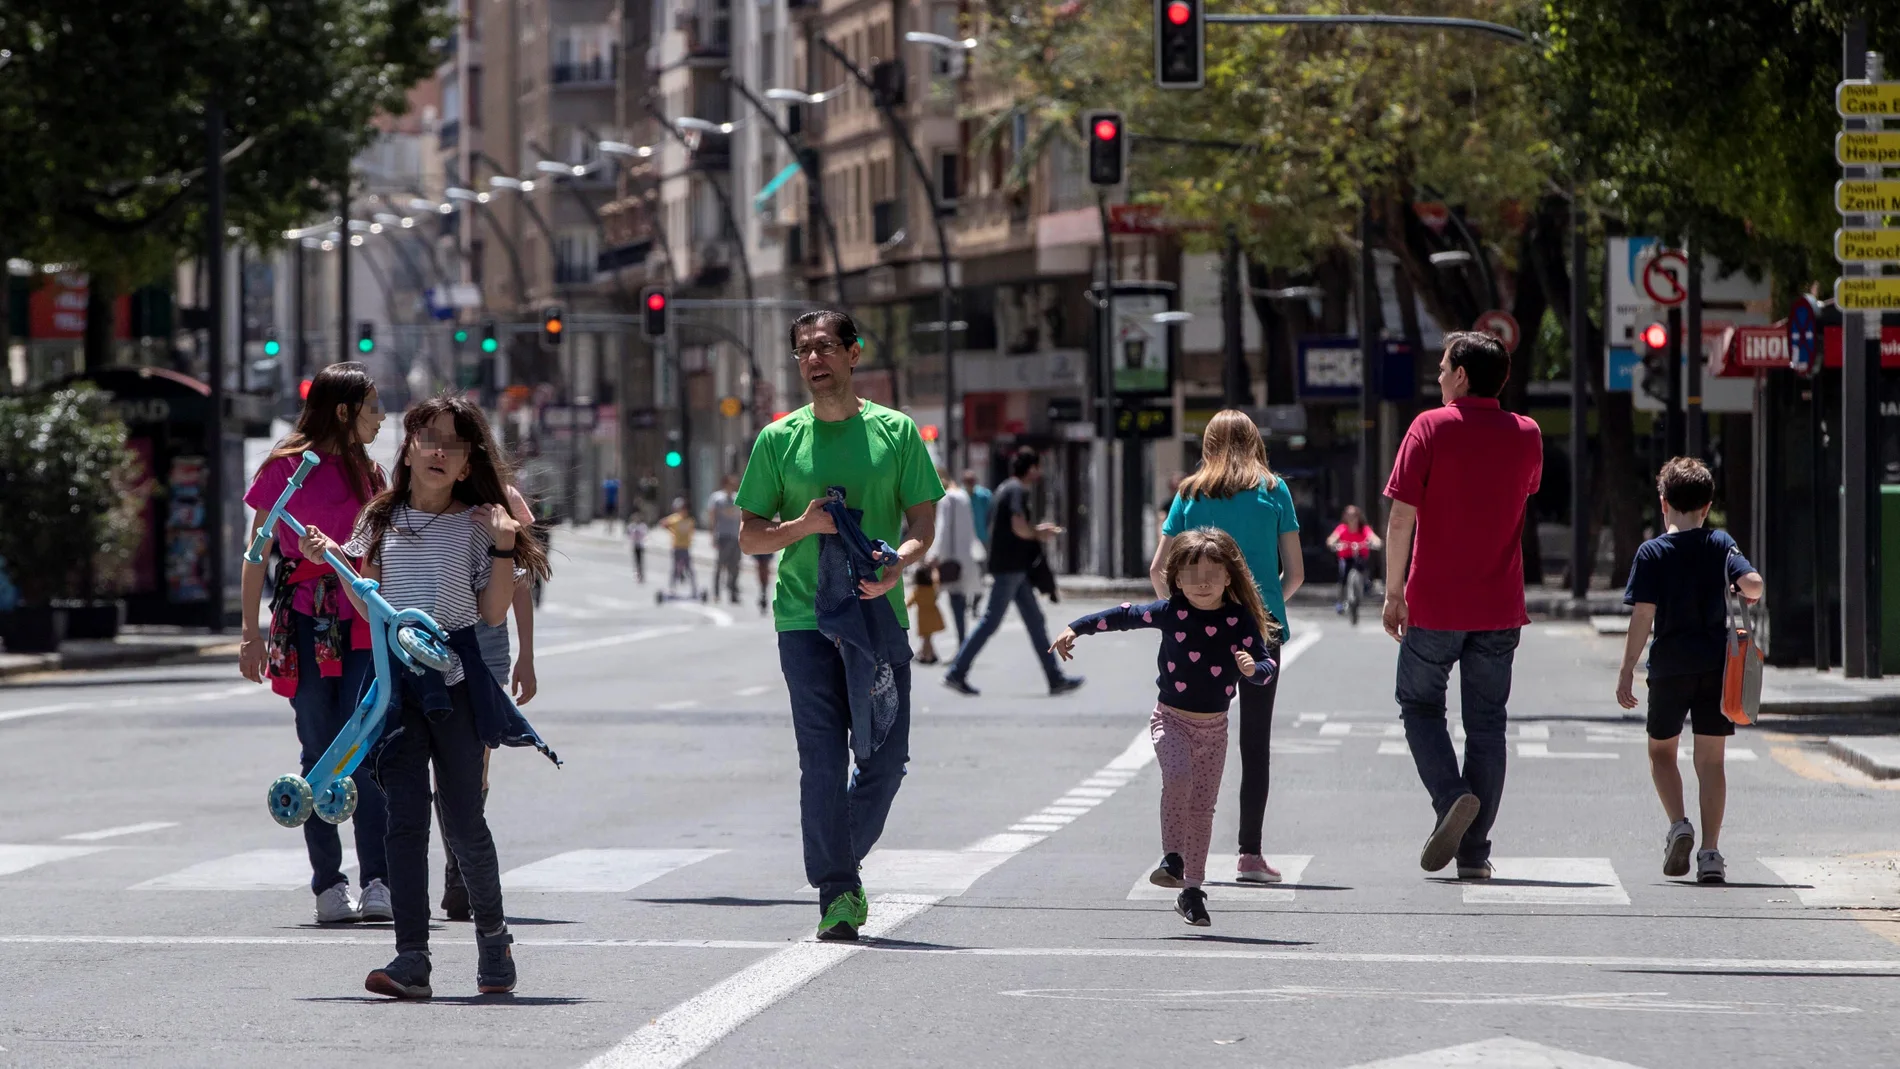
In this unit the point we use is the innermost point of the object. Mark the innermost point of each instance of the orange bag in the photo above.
(1741, 671)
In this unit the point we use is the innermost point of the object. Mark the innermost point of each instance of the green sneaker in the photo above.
(843, 918)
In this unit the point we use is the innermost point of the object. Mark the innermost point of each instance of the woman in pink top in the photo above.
(317, 651)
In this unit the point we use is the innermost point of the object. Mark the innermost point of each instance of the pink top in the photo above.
(327, 501)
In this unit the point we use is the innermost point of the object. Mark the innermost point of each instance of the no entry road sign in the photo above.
(1666, 278)
(1502, 326)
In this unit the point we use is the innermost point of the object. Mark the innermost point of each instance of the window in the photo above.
(585, 52)
(768, 55)
(575, 253)
(945, 62)
(475, 97)
(475, 251)
(949, 177)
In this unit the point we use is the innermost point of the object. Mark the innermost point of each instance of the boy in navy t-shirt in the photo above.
(1679, 583)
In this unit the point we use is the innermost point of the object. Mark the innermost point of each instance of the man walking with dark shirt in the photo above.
(1015, 547)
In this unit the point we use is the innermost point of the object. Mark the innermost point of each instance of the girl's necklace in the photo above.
(420, 531)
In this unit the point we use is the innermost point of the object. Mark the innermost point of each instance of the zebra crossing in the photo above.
(1578, 741)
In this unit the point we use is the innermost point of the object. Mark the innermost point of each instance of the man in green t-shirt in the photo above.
(879, 459)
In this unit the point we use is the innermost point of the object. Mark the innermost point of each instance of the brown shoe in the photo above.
(1451, 828)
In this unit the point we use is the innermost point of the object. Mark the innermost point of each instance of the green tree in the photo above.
(64, 469)
(102, 118)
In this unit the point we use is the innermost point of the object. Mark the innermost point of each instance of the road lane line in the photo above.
(123, 829)
(156, 702)
(254, 870)
(719, 617)
(1521, 881)
(14, 858)
(371, 941)
(600, 870)
(691, 1028)
(605, 641)
(750, 692)
(674, 707)
(1229, 891)
(1835, 882)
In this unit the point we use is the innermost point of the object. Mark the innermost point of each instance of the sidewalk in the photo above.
(133, 648)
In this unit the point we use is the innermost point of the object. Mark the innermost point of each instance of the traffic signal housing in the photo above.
(365, 337)
(459, 337)
(654, 304)
(489, 342)
(1108, 147)
(271, 345)
(553, 324)
(1654, 374)
(1180, 44)
(674, 455)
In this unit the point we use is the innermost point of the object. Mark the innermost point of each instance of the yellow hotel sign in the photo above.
(1867, 294)
(1867, 197)
(1868, 150)
(1859, 246)
(1863, 99)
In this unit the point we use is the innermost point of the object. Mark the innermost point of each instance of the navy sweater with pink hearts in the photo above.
(1198, 673)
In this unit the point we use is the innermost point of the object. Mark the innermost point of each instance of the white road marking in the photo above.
(256, 870)
(691, 1028)
(1091, 792)
(669, 707)
(600, 870)
(1335, 729)
(1500, 1053)
(1576, 881)
(1004, 844)
(20, 858)
(142, 703)
(605, 641)
(1224, 889)
(123, 829)
(941, 873)
(1837, 882)
(750, 692)
(1035, 826)
(1534, 732)
(719, 617)
(1729, 753)
(1308, 718)
(1065, 810)
(367, 941)
(1542, 749)
(1391, 748)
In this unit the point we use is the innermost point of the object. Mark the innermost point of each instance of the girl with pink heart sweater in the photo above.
(1214, 635)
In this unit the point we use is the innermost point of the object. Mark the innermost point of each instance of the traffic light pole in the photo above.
(215, 541)
(1370, 352)
(1239, 391)
(343, 342)
(1104, 494)
(1582, 552)
(1860, 417)
(1694, 443)
(1672, 389)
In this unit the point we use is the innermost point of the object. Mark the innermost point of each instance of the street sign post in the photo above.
(1863, 245)
(1867, 100)
(1867, 197)
(1867, 149)
(1501, 325)
(1804, 336)
(1867, 294)
(1666, 278)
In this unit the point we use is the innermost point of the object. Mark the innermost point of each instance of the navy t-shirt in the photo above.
(1198, 673)
(1686, 575)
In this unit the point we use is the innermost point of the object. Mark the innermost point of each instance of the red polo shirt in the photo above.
(1468, 468)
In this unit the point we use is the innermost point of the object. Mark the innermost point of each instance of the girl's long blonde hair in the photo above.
(1214, 544)
(1233, 458)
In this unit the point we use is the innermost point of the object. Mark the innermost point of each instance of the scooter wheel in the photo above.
(338, 802)
(423, 648)
(289, 801)
(659, 597)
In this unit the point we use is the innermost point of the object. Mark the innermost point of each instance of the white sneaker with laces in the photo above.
(1709, 867)
(334, 906)
(374, 905)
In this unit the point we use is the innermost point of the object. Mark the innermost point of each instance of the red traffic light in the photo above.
(303, 390)
(1179, 12)
(656, 301)
(1656, 336)
(928, 432)
(1107, 129)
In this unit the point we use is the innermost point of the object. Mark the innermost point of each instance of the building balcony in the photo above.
(596, 73)
(708, 41)
(573, 273)
(992, 222)
(448, 135)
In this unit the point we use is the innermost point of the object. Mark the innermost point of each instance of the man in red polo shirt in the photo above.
(1455, 593)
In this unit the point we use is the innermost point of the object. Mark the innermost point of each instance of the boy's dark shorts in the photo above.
(1697, 697)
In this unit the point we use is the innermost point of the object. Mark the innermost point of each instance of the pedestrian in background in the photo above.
(1353, 541)
(723, 517)
(1454, 588)
(1234, 491)
(1679, 582)
(929, 620)
(955, 551)
(877, 457)
(637, 534)
(318, 650)
(1015, 551)
(980, 498)
(679, 524)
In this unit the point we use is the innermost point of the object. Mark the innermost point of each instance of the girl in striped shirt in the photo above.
(441, 539)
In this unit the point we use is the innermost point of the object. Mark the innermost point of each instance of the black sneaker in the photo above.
(406, 977)
(1451, 826)
(1064, 685)
(957, 683)
(1191, 904)
(1169, 872)
(495, 967)
(454, 895)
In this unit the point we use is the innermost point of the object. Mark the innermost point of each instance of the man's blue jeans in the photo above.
(1007, 588)
(841, 811)
(1484, 659)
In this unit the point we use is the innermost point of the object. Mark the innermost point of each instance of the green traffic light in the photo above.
(673, 458)
(271, 348)
(364, 345)
(461, 336)
(489, 345)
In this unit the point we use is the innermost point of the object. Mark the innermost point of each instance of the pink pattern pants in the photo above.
(1191, 753)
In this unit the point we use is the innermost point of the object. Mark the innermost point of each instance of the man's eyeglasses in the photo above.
(823, 348)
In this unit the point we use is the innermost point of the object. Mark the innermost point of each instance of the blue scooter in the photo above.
(409, 636)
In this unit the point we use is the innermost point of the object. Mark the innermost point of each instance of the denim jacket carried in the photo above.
(865, 630)
(498, 722)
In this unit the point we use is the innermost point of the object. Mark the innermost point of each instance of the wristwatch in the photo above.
(502, 554)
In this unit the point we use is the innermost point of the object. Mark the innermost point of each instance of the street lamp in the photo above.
(1451, 258)
(571, 170)
(918, 37)
(812, 176)
(796, 96)
(621, 148)
(705, 126)
(518, 185)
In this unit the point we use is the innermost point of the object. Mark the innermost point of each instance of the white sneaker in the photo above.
(1709, 867)
(374, 905)
(1677, 846)
(333, 906)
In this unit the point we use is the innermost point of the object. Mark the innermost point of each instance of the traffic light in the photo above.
(1180, 44)
(653, 304)
(365, 337)
(459, 337)
(1108, 147)
(489, 342)
(674, 458)
(271, 345)
(1655, 370)
(552, 326)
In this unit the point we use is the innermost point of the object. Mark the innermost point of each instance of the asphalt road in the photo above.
(152, 914)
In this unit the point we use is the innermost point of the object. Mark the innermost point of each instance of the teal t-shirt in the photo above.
(1256, 519)
(876, 455)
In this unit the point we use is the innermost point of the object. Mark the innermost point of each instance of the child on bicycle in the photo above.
(679, 524)
(441, 539)
(1353, 541)
(1678, 584)
(1214, 628)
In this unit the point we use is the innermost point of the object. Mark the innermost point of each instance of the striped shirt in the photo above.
(436, 562)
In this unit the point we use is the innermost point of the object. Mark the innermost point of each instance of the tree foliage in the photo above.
(64, 473)
(102, 119)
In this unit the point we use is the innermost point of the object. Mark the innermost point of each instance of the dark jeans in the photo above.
(1484, 686)
(1256, 749)
(1007, 588)
(841, 811)
(323, 704)
(456, 752)
(959, 609)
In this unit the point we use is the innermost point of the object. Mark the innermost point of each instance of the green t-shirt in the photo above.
(879, 459)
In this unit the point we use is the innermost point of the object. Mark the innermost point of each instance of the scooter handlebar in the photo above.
(279, 512)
